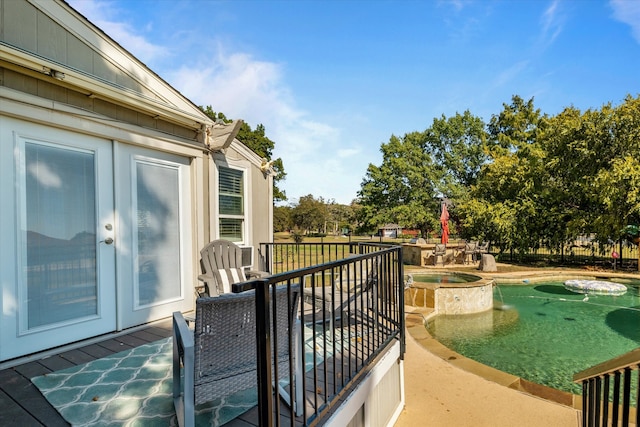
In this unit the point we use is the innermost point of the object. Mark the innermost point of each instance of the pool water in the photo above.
(446, 278)
(545, 333)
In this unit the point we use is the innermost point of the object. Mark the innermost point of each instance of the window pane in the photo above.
(231, 229)
(230, 181)
(231, 192)
(230, 205)
(60, 234)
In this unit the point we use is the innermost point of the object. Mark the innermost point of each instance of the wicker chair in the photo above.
(221, 264)
(219, 356)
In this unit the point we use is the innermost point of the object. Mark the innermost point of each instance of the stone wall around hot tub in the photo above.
(463, 300)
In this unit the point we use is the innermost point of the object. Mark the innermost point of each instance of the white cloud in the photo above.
(552, 24)
(313, 152)
(628, 12)
(347, 152)
(241, 86)
(508, 75)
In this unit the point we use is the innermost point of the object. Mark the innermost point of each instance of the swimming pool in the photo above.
(546, 333)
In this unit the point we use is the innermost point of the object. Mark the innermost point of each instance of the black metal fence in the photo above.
(350, 312)
(281, 257)
(610, 391)
(619, 256)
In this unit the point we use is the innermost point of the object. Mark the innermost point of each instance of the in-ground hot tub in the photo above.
(449, 293)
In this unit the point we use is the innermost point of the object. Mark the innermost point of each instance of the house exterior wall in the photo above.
(55, 34)
(35, 84)
(259, 214)
(110, 98)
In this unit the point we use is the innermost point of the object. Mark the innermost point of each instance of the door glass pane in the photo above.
(60, 262)
(158, 233)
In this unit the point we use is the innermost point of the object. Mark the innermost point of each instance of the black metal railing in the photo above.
(578, 253)
(350, 311)
(604, 403)
(281, 257)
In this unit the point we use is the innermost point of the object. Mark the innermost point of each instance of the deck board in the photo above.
(21, 403)
(31, 369)
(56, 363)
(13, 415)
(115, 345)
(96, 351)
(21, 390)
(77, 357)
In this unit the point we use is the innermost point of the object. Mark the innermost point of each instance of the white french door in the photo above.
(95, 236)
(154, 229)
(58, 263)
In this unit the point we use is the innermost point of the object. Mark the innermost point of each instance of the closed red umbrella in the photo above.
(444, 221)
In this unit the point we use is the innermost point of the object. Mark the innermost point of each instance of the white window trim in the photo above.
(247, 194)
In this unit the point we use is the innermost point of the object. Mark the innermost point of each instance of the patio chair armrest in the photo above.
(256, 274)
(206, 278)
(209, 287)
(182, 351)
(182, 335)
(183, 385)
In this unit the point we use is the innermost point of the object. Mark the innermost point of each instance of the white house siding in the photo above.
(132, 128)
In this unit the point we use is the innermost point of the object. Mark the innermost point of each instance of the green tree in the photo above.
(420, 169)
(257, 141)
(503, 203)
(404, 189)
(310, 214)
(339, 218)
(282, 218)
(457, 145)
(594, 157)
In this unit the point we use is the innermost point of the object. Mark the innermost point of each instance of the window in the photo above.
(231, 204)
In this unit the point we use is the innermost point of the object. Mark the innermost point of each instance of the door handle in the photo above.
(108, 241)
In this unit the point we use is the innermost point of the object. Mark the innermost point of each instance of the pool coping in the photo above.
(416, 318)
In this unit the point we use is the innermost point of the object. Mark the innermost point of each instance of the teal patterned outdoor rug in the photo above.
(134, 388)
(131, 388)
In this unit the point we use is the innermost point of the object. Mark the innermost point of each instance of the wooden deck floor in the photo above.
(22, 404)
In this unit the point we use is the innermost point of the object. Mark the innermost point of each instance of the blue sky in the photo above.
(332, 80)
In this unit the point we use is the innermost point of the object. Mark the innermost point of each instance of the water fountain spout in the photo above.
(502, 306)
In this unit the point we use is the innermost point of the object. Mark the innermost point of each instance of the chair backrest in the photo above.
(471, 246)
(225, 337)
(222, 260)
(440, 249)
(358, 276)
(483, 247)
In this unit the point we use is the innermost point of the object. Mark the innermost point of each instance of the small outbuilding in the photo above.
(390, 230)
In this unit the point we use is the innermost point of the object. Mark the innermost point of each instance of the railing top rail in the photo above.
(387, 244)
(619, 363)
(293, 274)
